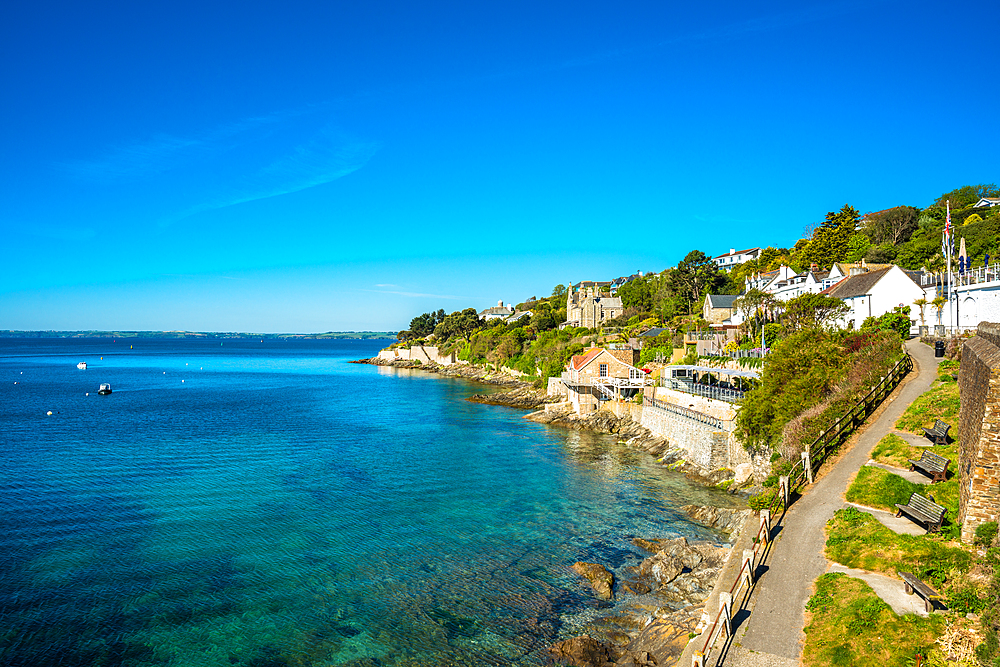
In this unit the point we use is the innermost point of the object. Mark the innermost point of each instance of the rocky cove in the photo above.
(652, 607)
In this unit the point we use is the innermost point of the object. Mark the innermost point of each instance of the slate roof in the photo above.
(738, 252)
(722, 300)
(858, 285)
(654, 332)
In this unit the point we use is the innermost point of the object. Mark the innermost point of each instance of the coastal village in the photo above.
(847, 387)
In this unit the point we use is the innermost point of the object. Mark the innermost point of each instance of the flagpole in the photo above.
(951, 278)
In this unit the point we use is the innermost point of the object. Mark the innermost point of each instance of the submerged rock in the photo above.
(601, 580)
(582, 652)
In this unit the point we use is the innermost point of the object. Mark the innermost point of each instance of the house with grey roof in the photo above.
(719, 307)
(734, 257)
(874, 292)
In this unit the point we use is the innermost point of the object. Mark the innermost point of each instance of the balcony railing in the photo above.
(717, 392)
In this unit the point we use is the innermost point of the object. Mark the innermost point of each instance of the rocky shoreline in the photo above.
(665, 593)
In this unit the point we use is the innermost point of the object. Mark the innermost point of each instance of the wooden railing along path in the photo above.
(817, 454)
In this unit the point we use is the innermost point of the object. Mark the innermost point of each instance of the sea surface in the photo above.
(266, 503)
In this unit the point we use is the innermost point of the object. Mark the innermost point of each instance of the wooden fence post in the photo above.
(726, 611)
(765, 525)
(748, 566)
(783, 485)
(807, 466)
(698, 659)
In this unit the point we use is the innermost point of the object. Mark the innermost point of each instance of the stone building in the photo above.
(600, 374)
(979, 430)
(587, 307)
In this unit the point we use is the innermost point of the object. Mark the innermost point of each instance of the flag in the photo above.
(947, 218)
(986, 262)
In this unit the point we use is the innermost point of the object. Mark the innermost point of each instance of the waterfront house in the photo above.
(601, 374)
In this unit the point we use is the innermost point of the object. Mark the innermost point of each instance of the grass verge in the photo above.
(856, 539)
(882, 489)
(893, 450)
(938, 402)
(852, 627)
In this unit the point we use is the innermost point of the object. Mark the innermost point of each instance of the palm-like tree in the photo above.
(920, 303)
(938, 302)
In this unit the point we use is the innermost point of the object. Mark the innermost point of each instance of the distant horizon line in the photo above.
(104, 333)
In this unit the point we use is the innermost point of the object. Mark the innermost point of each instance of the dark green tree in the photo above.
(893, 225)
(695, 276)
(811, 311)
(830, 241)
(460, 323)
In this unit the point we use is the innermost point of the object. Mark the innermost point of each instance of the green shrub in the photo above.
(985, 533)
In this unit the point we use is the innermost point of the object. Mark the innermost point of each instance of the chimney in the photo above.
(500, 303)
(732, 251)
(813, 266)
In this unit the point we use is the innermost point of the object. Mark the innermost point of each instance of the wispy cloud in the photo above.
(386, 285)
(249, 159)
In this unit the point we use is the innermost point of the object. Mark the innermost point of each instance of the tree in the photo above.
(637, 294)
(967, 195)
(810, 311)
(695, 276)
(829, 243)
(460, 323)
(920, 303)
(559, 290)
(858, 246)
(939, 302)
(893, 225)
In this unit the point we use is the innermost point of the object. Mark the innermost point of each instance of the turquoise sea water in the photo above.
(267, 503)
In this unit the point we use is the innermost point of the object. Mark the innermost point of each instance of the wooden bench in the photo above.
(939, 434)
(914, 585)
(931, 464)
(922, 510)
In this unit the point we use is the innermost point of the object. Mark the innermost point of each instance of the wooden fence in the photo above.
(800, 474)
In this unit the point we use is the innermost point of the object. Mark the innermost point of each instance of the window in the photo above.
(604, 370)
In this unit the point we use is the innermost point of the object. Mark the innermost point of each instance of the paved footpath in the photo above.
(773, 633)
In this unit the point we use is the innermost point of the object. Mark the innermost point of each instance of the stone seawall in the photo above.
(979, 430)
(705, 445)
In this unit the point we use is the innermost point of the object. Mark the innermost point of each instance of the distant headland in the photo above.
(360, 335)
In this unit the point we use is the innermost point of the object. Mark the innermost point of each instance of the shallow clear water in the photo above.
(267, 503)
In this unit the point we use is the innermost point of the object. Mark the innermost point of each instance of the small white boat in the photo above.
(105, 389)
(82, 365)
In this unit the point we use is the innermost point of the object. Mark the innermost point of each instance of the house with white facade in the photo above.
(734, 257)
(873, 293)
(497, 312)
(987, 202)
(765, 281)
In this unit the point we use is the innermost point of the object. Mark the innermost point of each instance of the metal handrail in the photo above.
(688, 413)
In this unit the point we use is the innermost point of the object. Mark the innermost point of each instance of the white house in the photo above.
(874, 292)
(987, 202)
(497, 312)
(734, 257)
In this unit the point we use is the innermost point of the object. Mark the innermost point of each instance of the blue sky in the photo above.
(307, 167)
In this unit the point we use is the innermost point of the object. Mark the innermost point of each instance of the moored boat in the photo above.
(105, 389)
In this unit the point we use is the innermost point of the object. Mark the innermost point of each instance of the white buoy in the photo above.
(182, 380)
(87, 394)
(49, 412)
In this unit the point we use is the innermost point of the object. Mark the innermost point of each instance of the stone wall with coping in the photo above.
(703, 444)
(979, 430)
(422, 353)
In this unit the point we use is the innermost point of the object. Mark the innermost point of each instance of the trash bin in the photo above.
(939, 348)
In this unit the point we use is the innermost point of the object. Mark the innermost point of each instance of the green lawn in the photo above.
(856, 539)
(938, 402)
(852, 627)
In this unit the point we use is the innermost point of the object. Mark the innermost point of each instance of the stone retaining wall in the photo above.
(979, 430)
(705, 445)
(422, 353)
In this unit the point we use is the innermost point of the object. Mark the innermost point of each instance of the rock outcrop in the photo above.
(601, 580)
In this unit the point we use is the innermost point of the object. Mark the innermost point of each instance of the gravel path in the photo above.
(774, 629)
